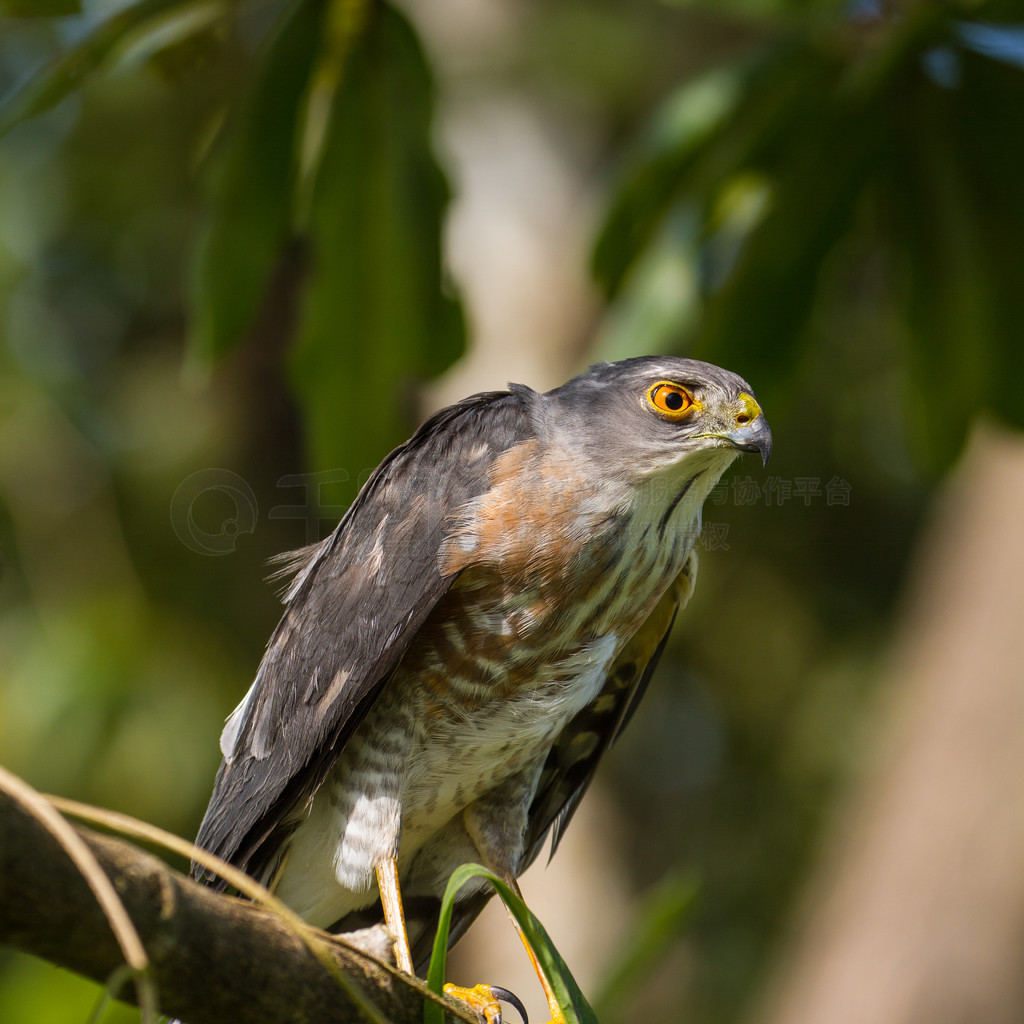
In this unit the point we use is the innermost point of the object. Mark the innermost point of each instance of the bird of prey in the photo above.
(456, 658)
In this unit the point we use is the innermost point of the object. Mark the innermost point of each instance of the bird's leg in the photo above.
(394, 916)
(496, 824)
(557, 1017)
(482, 998)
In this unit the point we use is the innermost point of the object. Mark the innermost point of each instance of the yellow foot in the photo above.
(486, 1000)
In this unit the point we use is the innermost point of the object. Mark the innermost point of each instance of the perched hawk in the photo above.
(455, 659)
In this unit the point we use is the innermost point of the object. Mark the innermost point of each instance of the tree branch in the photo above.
(214, 958)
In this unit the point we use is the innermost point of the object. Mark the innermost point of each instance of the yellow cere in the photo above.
(750, 406)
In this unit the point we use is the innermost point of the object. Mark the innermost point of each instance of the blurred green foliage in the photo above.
(825, 199)
(897, 136)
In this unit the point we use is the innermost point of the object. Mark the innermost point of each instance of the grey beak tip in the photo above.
(753, 437)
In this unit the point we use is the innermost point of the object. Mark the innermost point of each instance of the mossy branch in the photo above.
(212, 958)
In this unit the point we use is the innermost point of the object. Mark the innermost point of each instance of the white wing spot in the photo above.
(229, 735)
(337, 685)
(376, 557)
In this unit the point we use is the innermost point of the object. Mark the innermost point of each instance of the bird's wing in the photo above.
(351, 612)
(573, 759)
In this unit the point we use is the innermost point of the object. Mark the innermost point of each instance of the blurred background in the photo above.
(246, 245)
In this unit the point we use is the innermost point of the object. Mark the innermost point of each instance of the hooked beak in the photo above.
(751, 433)
(753, 436)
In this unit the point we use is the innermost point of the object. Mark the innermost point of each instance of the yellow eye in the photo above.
(670, 399)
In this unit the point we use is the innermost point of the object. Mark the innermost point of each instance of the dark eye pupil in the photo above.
(674, 401)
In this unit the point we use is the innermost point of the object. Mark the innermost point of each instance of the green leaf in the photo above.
(685, 121)
(755, 320)
(946, 304)
(957, 213)
(39, 8)
(663, 918)
(47, 88)
(708, 132)
(659, 301)
(571, 1000)
(988, 144)
(376, 318)
(253, 189)
(819, 165)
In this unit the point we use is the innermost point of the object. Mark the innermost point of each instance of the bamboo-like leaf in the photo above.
(253, 189)
(989, 147)
(708, 132)
(47, 88)
(946, 304)
(39, 8)
(662, 919)
(571, 1000)
(685, 121)
(376, 317)
(755, 320)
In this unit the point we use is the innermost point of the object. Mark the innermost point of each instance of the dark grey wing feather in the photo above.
(351, 612)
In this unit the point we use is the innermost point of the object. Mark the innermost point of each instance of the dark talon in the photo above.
(512, 999)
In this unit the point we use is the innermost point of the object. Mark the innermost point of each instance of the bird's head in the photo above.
(655, 415)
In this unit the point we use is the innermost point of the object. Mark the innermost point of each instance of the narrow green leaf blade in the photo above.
(39, 8)
(47, 88)
(664, 917)
(253, 188)
(946, 300)
(376, 317)
(755, 320)
(989, 147)
(571, 1000)
(438, 969)
(732, 120)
